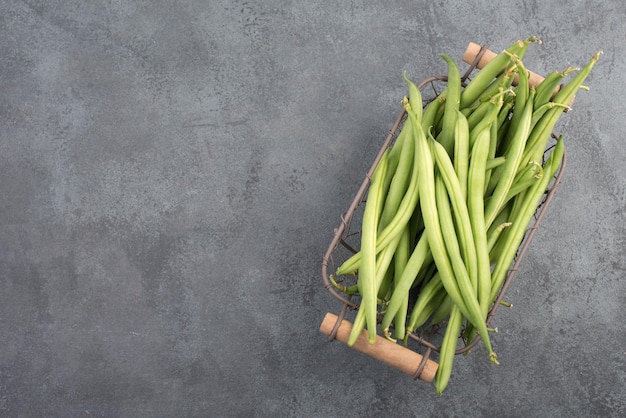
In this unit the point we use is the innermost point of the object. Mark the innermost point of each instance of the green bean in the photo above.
(557, 155)
(522, 92)
(451, 107)
(521, 219)
(367, 271)
(495, 104)
(400, 160)
(467, 111)
(461, 151)
(461, 289)
(448, 350)
(541, 110)
(394, 227)
(450, 237)
(509, 169)
(399, 182)
(503, 123)
(548, 87)
(384, 258)
(478, 114)
(502, 218)
(443, 309)
(426, 303)
(475, 202)
(495, 162)
(502, 61)
(493, 241)
(385, 289)
(525, 179)
(395, 151)
(493, 146)
(567, 92)
(358, 324)
(427, 271)
(401, 258)
(495, 234)
(416, 227)
(451, 240)
(504, 80)
(415, 98)
(542, 131)
(419, 256)
(429, 117)
(429, 213)
(460, 210)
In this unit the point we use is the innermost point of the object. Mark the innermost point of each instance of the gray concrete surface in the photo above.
(171, 173)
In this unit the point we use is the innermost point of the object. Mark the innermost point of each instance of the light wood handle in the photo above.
(384, 350)
(472, 52)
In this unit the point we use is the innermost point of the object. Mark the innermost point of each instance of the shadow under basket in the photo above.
(416, 357)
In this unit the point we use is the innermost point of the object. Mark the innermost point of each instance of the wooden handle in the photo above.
(472, 51)
(384, 350)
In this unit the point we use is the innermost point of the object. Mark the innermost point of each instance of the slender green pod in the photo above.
(495, 104)
(548, 87)
(513, 157)
(541, 110)
(448, 350)
(540, 134)
(504, 122)
(451, 106)
(395, 226)
(475, 202)
(453, 275)
(493, 146)
(461, 151)
(521, 219)
(419, 256)
(522, 91)
(557, 155)
(367, 271)
(458, 203)
(395, 151)
(425, 273)
(415, 98)
(401, 259)
(495, 162)
(492, 237)
(504, 80)
(429, 117)
(502, 61)
(442, 311)
(385, 288)
(428, 205)
(567, 91)
(400, 180)
(384, 261)
(451, 240)
(525, 179)
(427, 301)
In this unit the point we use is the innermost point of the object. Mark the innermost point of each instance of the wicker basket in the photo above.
(415, 359)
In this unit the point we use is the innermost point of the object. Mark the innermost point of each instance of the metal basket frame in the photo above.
(344, 231)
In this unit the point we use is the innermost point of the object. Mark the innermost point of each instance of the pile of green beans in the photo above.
(450, 201)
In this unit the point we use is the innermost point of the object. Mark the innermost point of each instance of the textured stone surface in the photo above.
(171, 175)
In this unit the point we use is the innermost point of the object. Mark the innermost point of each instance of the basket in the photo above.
(414, 359)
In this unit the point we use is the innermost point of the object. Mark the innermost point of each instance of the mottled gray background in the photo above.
(171, 174)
